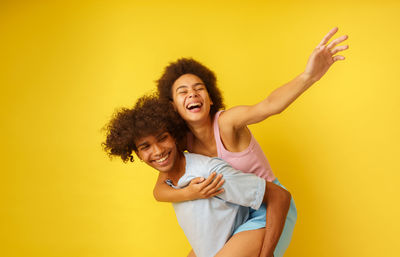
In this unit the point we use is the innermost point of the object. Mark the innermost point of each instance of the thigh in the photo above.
(243, 244)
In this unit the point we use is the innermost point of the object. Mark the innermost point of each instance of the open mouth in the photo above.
(162, 160)
(194, 106)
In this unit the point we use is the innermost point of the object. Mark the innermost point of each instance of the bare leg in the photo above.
(243, 244)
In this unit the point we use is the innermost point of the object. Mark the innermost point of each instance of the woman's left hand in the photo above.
(324, 56)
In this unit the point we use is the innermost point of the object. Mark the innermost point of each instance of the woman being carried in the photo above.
(191, 87)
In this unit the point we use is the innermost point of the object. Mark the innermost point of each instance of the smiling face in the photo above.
(190, 98)
(159, 151)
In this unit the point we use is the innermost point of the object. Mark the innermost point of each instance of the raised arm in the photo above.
(199, 188)
(320, 60)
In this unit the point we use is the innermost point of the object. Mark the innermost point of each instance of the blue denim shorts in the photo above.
(257, 219)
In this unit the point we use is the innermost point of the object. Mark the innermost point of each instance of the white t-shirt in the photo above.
(209, 223)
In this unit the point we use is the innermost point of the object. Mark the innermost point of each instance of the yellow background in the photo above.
(66, 65)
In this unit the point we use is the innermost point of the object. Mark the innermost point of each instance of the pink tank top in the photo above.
(250, 160)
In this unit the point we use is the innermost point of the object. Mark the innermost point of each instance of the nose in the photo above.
(157, 149)
(192, 93)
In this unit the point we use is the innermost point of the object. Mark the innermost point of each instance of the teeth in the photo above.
(162, 159)
(194, 105)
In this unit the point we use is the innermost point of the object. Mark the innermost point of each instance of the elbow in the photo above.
(279, 111)
(275, 112)
(273, 108)
(156, 195)
(278, 195)
(282, 195)
(276, 108)
(286, 197)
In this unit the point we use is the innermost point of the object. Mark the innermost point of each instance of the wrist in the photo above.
(186, 193)
(307, 79)
(190, 194)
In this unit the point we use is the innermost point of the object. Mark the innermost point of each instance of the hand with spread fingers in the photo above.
(324, 55)
(200, 188)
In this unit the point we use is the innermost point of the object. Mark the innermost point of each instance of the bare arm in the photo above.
(277, 200)
(318, 64)
(199, 188)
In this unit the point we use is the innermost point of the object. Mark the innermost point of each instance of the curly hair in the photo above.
(149, 116)
(190, 66)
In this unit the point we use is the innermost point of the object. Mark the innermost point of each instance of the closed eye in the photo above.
(182, 92)
(143, 147)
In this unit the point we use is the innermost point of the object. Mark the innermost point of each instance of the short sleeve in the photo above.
(240, 188)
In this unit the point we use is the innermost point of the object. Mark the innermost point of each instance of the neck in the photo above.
(179, 169)
(203, 132)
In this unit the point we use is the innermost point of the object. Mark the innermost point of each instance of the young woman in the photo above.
(191, 87)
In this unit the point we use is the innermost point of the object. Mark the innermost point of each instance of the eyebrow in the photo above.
(185, 86)
(161, 134)
(142, 144)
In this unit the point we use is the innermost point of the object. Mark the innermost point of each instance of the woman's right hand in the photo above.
(323, 56)
(200, 188)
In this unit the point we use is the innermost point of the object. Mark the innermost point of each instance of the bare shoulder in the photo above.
(235, 138)
(232, 119)
(226, 121)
